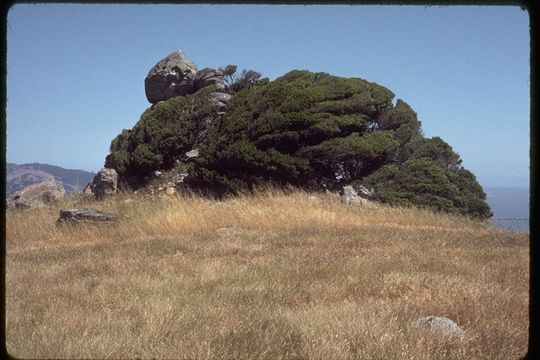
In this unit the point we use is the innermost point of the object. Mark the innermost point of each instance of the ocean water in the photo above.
(510, 207)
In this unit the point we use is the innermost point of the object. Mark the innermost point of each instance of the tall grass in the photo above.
(268, 276)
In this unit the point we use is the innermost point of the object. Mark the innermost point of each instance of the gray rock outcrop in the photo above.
(440, 324)
(36, 196)
(177, 75)
(85, 215)
(172, 76)
(104, 183)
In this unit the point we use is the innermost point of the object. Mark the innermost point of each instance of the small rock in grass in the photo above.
(78, 216)
(441, 324)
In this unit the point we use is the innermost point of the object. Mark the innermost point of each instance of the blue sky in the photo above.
(75, 73)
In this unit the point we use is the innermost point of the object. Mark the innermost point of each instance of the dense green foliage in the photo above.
(310, 130)
(424, 182)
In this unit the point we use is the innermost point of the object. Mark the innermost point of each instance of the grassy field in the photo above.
(270, 276)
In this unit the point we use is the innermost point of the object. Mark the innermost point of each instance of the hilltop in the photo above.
(228, 133)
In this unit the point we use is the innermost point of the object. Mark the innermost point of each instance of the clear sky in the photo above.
(75, 73)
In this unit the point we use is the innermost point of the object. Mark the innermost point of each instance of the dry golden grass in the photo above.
(270, 276)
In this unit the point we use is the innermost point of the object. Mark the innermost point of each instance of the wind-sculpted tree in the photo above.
(306, 129)
(229, 74)
(315, 130)
(236, 82)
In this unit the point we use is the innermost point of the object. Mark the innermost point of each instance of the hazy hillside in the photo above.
(20, 176)
(270, 276)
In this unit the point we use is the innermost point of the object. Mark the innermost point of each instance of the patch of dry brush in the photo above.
(270, 276)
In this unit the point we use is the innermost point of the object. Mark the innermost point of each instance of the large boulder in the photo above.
(85, 215)
(36, 195)
(172, 76)
(104, 183)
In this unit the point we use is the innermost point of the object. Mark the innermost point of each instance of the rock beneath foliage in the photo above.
(350, 196)
(36, 195)
(220, 100)
(172, 76)
(169, 182)
(85, 215)
(105, 183)
(440, 324)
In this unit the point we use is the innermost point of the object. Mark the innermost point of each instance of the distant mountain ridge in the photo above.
(20, 176)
